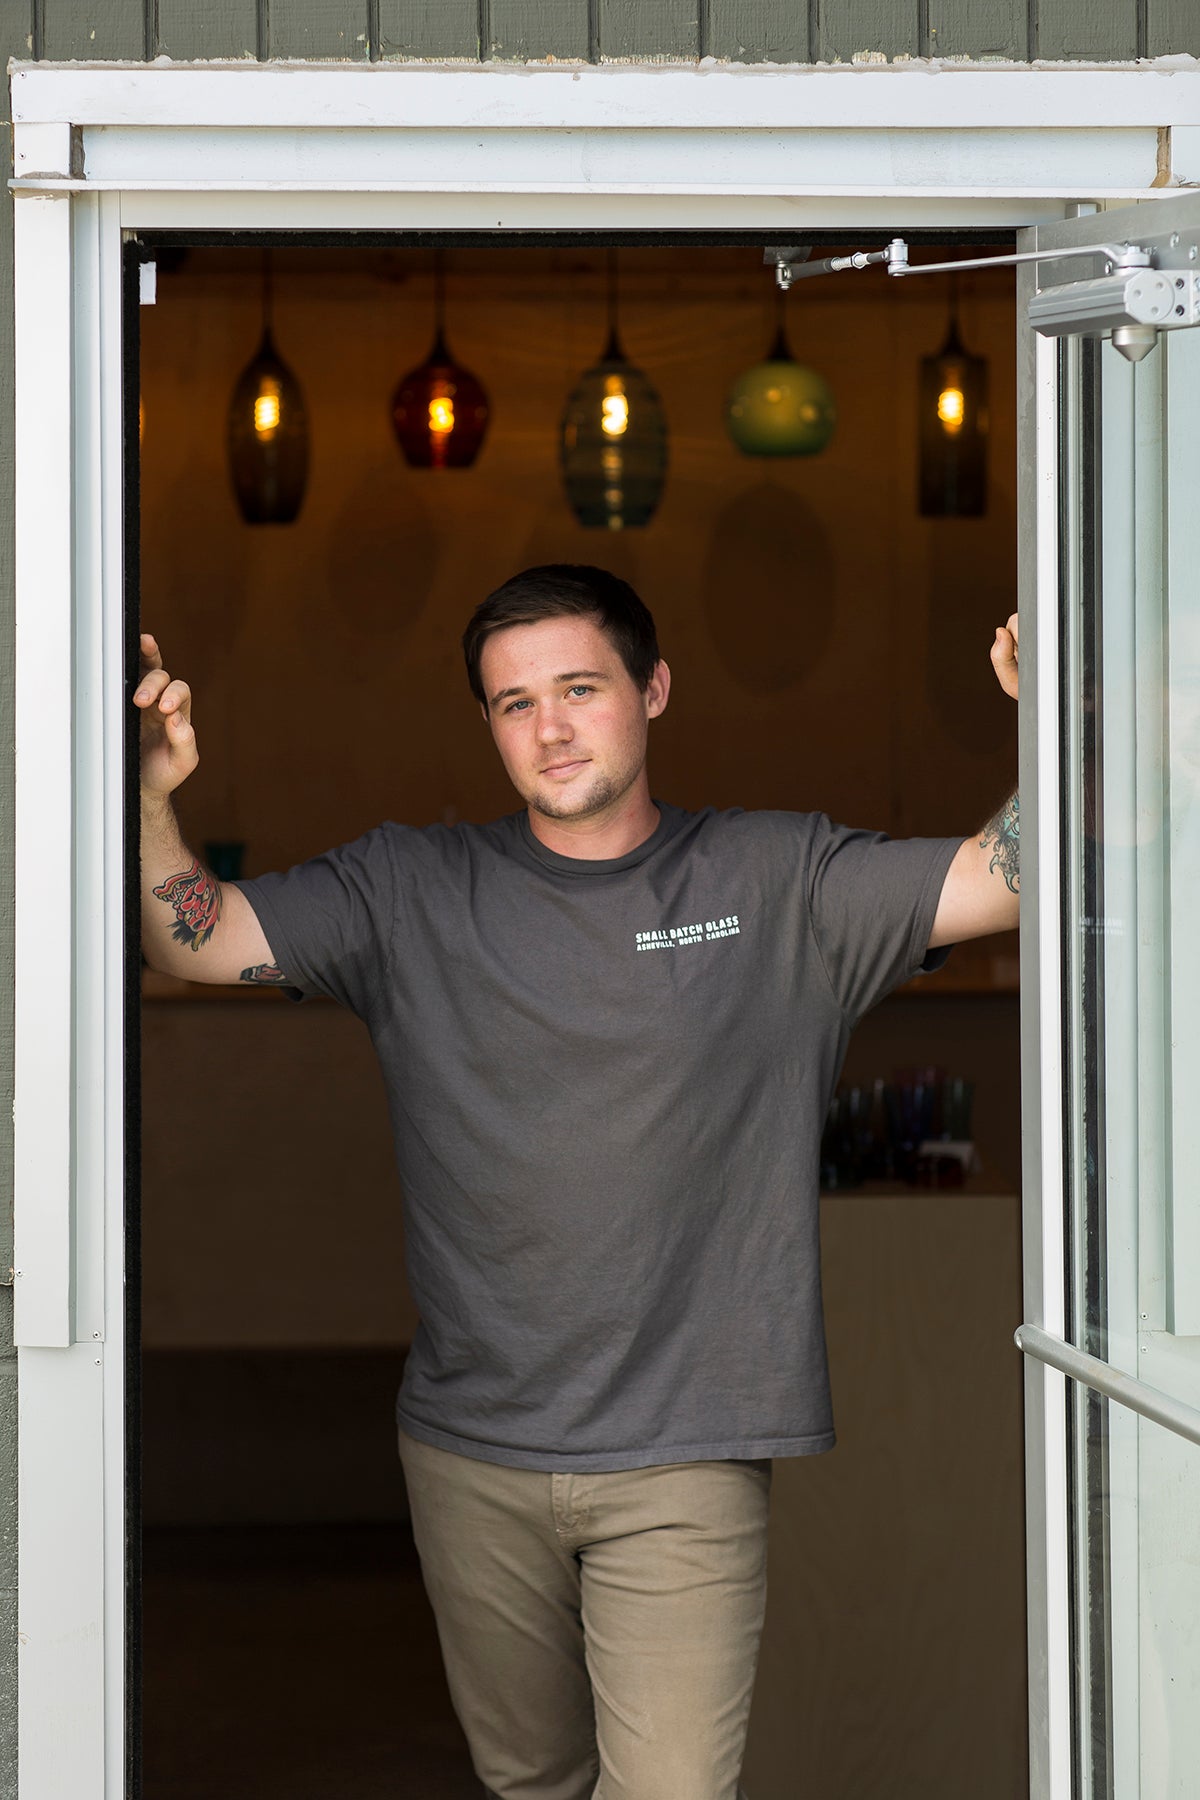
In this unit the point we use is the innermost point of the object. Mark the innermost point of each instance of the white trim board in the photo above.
(928, 144)
(709, 96)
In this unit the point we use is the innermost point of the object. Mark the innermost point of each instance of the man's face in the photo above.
(568, 719)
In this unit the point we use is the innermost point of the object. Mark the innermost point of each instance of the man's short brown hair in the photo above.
(566, 590)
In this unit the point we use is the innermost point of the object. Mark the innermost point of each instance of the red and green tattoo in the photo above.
(195, 897)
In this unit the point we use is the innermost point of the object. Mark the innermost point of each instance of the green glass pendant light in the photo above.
(779, 407)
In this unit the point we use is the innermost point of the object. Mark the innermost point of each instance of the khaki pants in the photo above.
(600, 1632)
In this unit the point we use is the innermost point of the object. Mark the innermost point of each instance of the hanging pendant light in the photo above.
(613, 437)
(778, 407)
(268, 432)
(952, 429)
(440, 410)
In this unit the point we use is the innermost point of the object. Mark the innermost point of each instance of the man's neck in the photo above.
(603, 836)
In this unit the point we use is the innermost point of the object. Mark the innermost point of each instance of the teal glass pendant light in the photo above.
(267, 432)
(613, 437)
(778, 407)
(952, 433)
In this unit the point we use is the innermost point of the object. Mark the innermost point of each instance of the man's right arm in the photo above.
(191, 925)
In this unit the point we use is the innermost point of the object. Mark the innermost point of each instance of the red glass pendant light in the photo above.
(440, 409)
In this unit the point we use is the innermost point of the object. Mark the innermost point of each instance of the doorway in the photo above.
(829, 648)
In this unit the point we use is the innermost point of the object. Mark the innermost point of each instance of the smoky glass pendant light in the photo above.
(268, 431)
(952, 431)
(779, 407)
(439, 409)
(613, 437)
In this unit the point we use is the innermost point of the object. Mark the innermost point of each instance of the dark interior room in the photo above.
(828, 622)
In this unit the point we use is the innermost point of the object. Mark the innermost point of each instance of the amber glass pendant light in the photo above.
(613, 437)
(778, 407)
(440, 410)
(268, 431)
(952, 401)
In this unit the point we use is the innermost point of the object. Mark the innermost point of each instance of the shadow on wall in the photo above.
(382, 560)
(203, 601)
(556, 538)
(966, 588)
(767, 542)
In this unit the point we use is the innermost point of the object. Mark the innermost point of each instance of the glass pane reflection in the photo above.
(1130, 597)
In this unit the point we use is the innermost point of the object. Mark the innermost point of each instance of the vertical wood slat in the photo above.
(94, 31)
(756, 31)
(979, 28)
(1086, 30)
(850, 28)
(218, 28)
(429, 28)
(318, 30)
(665, 32)
(522, 30)
(1172, 26)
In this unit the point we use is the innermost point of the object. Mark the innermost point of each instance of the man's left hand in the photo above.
(1004, 656)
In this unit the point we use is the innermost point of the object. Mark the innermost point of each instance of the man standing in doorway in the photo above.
(610, 1030)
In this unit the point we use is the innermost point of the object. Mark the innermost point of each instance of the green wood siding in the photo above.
(666, 31)
(318, 29)
(758, 30)
(1088, 29)
(92, 30)
(188, 32)
(527, 30)
(429, 28)
(1172, 26)
(986, 28)
(850, 28)
(609, 30)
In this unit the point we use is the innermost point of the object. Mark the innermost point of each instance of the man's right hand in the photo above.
(169, 751)
(192, 925)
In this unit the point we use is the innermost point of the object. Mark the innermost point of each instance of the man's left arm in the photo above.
(981, 892)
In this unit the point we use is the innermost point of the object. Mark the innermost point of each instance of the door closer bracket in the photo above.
(1132, 301)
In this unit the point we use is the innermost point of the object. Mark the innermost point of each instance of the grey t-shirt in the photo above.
(607, 1083)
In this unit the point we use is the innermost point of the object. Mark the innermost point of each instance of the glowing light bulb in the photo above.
(441, 416)
(951, 410)
(266, 409)
(614, 408)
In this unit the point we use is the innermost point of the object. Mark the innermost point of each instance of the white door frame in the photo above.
(102, 151)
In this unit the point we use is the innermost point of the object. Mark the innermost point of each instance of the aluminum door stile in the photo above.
(69, 895)
(1040, 530)
(1107, 1205)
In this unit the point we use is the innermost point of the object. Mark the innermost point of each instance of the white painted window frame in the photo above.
(104, 150)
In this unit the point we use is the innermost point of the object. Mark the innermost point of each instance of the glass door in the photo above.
(1116, 1181)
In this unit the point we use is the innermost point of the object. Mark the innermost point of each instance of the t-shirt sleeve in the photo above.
(329, 921)
(872, 901)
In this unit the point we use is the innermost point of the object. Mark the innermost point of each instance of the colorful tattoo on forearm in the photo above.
(195, 897)
(1004, 831)
(265, 975)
